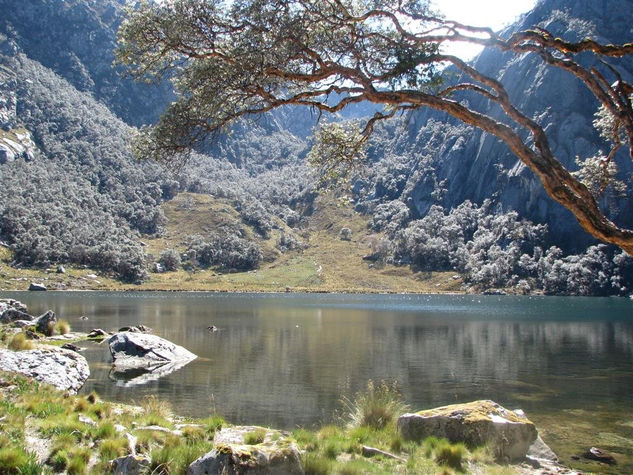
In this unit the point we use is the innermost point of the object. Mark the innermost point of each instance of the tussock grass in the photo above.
(175, 455)
(12, 458)
(62, 327)
(20, 342)
(156, 412)
(255, 437)
(377, 407)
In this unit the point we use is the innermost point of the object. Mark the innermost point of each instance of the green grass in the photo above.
(255, 437)
(331, 449)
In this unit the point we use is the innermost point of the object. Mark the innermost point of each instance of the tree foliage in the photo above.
(251, 56)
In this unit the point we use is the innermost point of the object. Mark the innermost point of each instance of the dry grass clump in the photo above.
(377, 407)
(20, 342)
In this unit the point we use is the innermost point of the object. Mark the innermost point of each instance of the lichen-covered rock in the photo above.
(508, 433)
(63, 369)
(275, 455)
(130, 465)
(140, 350)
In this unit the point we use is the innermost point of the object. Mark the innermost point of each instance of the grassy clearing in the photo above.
(328, 264)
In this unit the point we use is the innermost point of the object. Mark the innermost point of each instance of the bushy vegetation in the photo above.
(496, 249)
(227, 251)
(82, 199)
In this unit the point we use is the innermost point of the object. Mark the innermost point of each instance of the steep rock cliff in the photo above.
(475, 166)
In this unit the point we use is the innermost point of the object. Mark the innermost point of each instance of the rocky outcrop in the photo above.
(477, 423)
(275, 454)
(61, 368)
(140, 350)
(12, 310)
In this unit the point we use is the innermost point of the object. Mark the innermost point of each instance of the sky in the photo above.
(492, 13)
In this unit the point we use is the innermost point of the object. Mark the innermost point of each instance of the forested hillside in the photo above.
(436, 195)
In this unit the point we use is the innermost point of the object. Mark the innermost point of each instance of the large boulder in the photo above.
(140, 350)
(63, 369)
(46, 323)
(508, 433)
(11, 303)
(275, 454)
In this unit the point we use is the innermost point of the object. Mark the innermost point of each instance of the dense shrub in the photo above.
(170, 259)
(495, 249)
(83, 199)
(225, 250)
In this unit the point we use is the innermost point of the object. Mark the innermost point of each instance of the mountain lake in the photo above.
(287, 360)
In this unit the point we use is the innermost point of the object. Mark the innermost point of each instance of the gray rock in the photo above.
(44, 323)
(275, 455)
(140, 350)
(11, 303)
(61, 270)
(97, 333)
(12, 314)
(476, 423)
(37, 287)
(61, 368)
(130, 465)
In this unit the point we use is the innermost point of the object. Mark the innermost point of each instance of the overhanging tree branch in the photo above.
(257, 55)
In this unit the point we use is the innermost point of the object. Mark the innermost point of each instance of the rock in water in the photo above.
(276, 455)
(475, 423)
(63, 369)
(140, 350)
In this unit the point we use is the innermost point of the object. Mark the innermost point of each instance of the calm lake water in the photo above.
(285, 360)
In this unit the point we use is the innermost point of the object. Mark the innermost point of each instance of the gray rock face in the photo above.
(12, 311)
(11, 303)
(61, 368)
(477, 423)
(477, 166)
(275, 455)
(140, 350)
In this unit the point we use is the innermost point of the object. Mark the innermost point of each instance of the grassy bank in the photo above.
(323, 263)
(46, 431)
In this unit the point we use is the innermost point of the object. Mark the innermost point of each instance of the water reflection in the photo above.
(286, 360)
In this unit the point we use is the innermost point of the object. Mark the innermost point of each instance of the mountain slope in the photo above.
(475, 166)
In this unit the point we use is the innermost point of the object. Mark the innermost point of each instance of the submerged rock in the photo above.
(599, 455)
(509, 433)
(276, 454)
(140, 350)
(63, 369)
